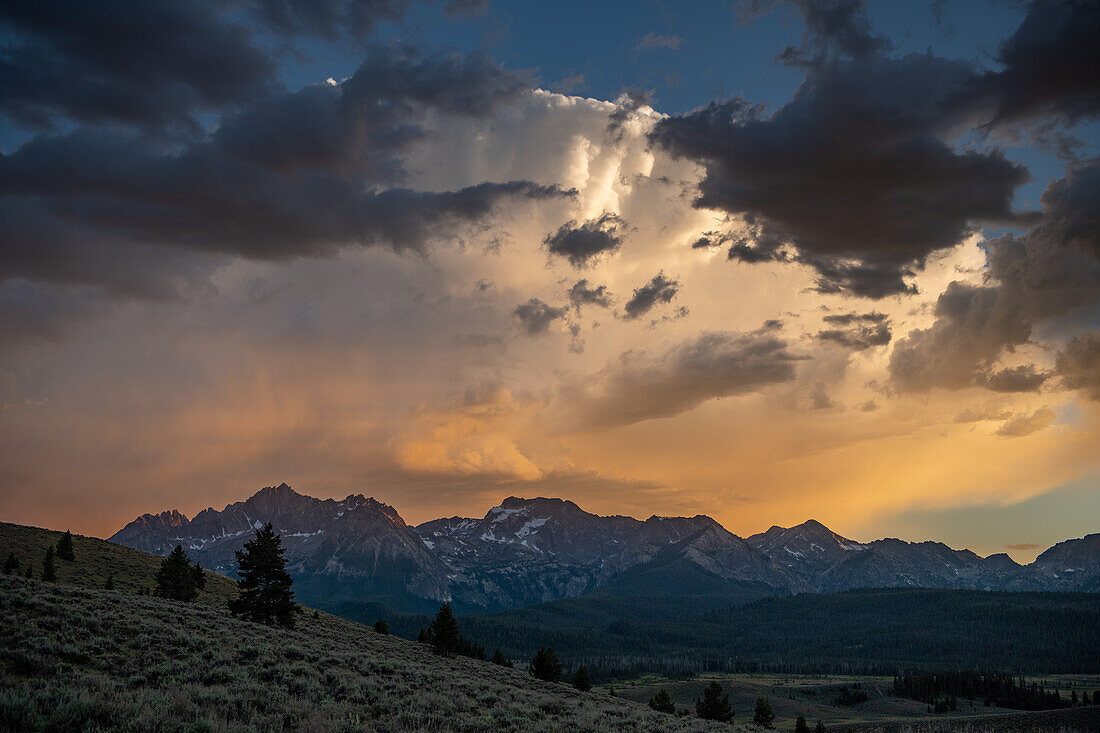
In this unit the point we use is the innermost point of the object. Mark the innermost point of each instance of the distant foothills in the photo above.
(531, 551)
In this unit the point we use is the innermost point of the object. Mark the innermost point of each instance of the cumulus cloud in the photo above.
(582, 294)
(584, 243)
(831, 27)
(1079, 364)
(536, 316)
(643, 385)
(1046, 65)
(856, 171)
(1044, 274)
(857, 331)
(298, 174)
(1022, 425)
(660, 289)
(472, 436)
(1017, 379)
(93, 62)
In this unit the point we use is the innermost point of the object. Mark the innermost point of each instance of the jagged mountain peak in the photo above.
(530, 550)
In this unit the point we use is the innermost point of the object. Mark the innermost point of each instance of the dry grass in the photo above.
(76, 657)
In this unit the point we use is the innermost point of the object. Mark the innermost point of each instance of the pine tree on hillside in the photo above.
(110, 584)
(763, 716)
(265, 594)
(545, 665)
(445, 638)
(499, 658)
(65, 546)
(580, 679)
(381, 627)
(713, 705)
(200, 576)
(819, 728)
(11, 564)
(801, 726)
(662, 702)
(176, 578)
(49, 572)
(424, 637)
(30, 571)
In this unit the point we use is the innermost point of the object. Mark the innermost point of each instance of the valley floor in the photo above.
(812, 695)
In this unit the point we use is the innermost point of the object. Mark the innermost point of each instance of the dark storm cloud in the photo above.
(536, 316)
(1049, 65)
(1044, 274)
(658, 290)
(299, 174)
(854, 171)
(831, 26)
(642, 386)
(582, 294)
(1017, 379)
(327, 18)
(148, 63)
(583, 243)
(1079, 364)
(857, 331)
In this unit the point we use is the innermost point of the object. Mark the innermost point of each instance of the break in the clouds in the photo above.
(295, 239)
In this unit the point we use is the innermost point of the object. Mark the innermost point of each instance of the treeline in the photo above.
(875, 632)
(943, 688)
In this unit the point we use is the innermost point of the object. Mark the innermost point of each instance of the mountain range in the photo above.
(529, 551)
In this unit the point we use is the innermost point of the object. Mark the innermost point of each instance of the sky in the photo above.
(764, 261)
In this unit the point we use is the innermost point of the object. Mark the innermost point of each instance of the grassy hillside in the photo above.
(83, 659)
(95, 559)
(74, 656)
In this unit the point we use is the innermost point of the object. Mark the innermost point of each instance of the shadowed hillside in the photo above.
(82, 659)
(95, 559)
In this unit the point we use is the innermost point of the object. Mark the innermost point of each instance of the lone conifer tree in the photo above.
(819, 728)
(443, 632)
(265, 594)
(11, 564)
(200, 576)
(65, 546)
(545, 665)
(381, 627)
(29, 572)
(499, 658)
(175, 578)
(801, 726)
(580, 679)
(49, 572)
(713, 705)
(110, 584)
(763, 716)
(662, 702)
